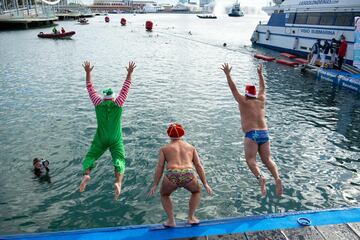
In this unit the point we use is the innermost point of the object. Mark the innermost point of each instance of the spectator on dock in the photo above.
(315, 50)
(63, 30)
(334, 49)
(109, 131)
(179, 158)
(342, 51)
(253, 122)
(325, 52)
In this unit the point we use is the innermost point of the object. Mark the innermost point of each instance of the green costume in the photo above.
(109, 131)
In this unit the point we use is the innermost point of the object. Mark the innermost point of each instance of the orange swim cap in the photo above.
(250, 91)
(175, 130)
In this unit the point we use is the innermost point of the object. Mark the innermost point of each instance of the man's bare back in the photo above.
(252, 113)
(178, 155)
(180, 159)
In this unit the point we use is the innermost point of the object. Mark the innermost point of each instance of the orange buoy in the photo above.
(107, 19)
(148, 25)
(264, 57)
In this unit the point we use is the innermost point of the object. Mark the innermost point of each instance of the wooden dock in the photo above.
(24, 19)
(348, 231)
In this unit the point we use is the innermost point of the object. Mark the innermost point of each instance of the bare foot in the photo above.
(169, 223)
(117, 187)
(262, 182)
(278, 187)
(84, 181)
(193, 220)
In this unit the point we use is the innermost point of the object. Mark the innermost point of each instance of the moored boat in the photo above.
(83, 21)
(66, 35)
(236, 11)
(207, 16)
(295, 25)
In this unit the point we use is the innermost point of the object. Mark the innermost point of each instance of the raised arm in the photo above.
(120, 100)
(227, 70)
(158, 173)
(95, 99)
(201, 172)
(261, 94)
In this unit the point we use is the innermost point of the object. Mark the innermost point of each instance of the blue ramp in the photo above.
(206, 228)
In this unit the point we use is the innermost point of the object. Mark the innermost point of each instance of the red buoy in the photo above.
(123, 21)
(149, 25)
(107, 19)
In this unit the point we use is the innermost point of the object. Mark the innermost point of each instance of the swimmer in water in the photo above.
(40, 167)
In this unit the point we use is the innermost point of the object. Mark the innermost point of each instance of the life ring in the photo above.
(303, 221)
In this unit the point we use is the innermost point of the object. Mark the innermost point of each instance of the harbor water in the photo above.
(45, 112)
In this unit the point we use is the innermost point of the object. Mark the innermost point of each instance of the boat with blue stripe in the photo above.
(295, 25)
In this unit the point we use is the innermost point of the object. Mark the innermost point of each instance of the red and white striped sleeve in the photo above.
(94, 97)
(120, 100)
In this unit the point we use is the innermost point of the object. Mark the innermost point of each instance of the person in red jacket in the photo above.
(342, 51)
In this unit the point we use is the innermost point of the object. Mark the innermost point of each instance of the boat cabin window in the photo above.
(291, 18)
(313, 19)
(327, 19)
(344, 19)
(301, 18)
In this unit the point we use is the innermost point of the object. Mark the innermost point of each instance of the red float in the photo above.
(263, 57)
(107, 19)
(288, 55)
(286, 62)
(123, 21)
(301, 60)
(148, 25)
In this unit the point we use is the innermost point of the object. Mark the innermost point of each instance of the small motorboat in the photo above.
(83, 21)
(207, 16)
(236, 10)
(65, 35)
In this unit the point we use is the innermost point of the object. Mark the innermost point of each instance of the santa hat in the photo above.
(175, 131)
(250, 91)
(108, 94)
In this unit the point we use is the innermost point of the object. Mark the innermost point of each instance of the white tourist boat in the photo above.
(295, 25)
